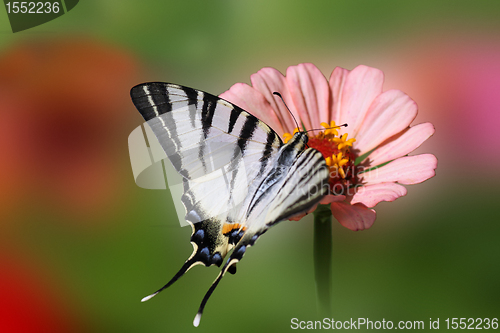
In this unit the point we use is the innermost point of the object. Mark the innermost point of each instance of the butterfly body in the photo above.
(239, 178)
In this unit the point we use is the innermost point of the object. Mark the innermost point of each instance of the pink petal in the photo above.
(373, 194)
(389, 114)
(362, 85)
(404, 170)
(355, 217)
(269, 80)
(402, 144)
(327, 199)
(336, 82)
(254, 102)
(310, 94)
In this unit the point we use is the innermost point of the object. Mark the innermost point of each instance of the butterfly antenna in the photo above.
(279, 95)
(322, 129)
(187, 265)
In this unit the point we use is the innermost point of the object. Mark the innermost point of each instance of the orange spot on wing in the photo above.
(228, 227)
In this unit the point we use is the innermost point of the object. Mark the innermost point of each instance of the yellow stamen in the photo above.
(335, 148)
(287, 136)
(341, 172)
(330, 130)
(342, 143)
(337, 162)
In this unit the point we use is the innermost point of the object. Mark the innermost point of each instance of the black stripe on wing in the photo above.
(192, 98)
(207, 115)
(235, 113)
(245, 134)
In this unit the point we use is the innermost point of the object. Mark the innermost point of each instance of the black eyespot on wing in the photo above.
(239, 252)
(234, 236)
(217, 259)
(198, 236)
(252, 240)
(204, 256)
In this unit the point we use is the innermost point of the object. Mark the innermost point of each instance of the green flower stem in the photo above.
(323, 257)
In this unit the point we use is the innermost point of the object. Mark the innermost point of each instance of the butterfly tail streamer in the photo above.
(235, 257)
(187, 266)
(197, 318)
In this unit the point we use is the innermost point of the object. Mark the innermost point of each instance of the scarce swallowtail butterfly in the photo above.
(239, 177)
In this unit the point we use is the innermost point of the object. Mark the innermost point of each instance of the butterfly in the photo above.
(239, 177)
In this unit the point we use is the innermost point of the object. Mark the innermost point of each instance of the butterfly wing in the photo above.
(219, 149)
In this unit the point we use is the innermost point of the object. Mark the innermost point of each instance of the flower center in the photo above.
(337, 154)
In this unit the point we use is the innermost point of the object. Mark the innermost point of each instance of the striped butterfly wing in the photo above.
(239, 178)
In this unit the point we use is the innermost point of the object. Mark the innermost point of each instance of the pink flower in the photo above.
(378, 122)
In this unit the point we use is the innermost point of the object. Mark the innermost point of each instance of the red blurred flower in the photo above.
(30, 301)
(63, 113)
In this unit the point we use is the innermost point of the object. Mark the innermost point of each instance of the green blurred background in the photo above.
(81, 244)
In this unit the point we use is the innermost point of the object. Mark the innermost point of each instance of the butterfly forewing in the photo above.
(207, 140)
